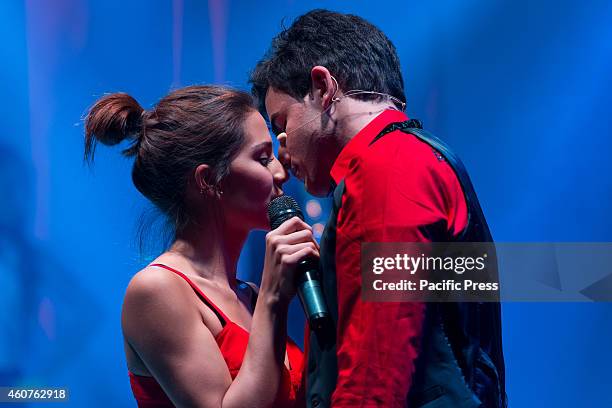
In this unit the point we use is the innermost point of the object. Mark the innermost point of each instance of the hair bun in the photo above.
(112, 119)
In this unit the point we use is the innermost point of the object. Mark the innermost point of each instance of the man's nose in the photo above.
(283, 154)
(284, 158)
(279, 173)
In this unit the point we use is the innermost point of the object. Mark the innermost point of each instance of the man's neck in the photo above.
(352, 115)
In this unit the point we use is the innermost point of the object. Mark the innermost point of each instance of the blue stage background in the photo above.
(521, 89)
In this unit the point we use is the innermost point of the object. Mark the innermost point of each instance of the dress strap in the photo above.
(222, 317)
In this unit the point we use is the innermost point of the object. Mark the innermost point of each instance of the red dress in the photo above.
(232, 341)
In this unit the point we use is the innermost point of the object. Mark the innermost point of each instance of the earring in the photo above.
(334, 99)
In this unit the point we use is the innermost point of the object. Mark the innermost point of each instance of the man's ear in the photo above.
(324, 88)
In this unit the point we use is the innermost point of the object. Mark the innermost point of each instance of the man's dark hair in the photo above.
(355, 52)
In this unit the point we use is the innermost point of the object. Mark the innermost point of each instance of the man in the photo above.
(332, 88)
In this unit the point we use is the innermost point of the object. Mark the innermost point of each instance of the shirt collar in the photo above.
(357, 145)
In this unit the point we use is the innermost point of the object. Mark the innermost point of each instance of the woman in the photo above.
(194, 335)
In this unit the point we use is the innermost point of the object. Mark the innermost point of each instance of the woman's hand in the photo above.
(286, 246)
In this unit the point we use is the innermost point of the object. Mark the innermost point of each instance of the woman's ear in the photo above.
(324, 88)
(201, 178)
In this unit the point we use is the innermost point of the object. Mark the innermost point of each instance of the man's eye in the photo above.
(272, 128)
(277, 130)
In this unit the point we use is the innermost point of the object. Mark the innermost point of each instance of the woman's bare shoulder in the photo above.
(154, 281)
(157, 292)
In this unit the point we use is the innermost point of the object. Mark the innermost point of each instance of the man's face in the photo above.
(307, 148)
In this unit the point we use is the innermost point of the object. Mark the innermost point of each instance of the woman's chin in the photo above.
(251, 218)
(261, 221)
(265, 223)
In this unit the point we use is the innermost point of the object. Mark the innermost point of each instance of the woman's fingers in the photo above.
(292, 231)
(292, 225)
(296, 237)
(286, 246)
(291, 249)
(294, 258)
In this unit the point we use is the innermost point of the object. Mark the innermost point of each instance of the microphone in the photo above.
(309, 290)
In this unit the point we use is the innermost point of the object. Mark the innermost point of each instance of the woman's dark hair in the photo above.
(356, 52)
(188, 127)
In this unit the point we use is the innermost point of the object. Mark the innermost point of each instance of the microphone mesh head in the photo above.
(281, 209)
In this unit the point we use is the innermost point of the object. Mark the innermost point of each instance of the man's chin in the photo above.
(317, 189)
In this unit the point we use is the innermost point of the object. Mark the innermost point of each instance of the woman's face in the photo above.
(255, 178)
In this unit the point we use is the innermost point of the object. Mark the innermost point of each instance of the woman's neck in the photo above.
(212, 251)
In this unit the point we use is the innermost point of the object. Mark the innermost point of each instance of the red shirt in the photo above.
(393, 188)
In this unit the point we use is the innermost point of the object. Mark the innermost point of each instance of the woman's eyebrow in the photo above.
(267, 144)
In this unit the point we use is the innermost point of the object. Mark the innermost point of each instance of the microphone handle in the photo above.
(311, 294)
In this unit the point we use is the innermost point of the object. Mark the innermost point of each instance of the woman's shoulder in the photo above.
(158, 279)
(153, 281)
(155, 290)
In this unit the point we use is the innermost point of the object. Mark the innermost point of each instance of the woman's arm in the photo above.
(264, 360)
(160, 322)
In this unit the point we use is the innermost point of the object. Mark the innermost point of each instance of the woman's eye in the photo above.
(265, 161)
